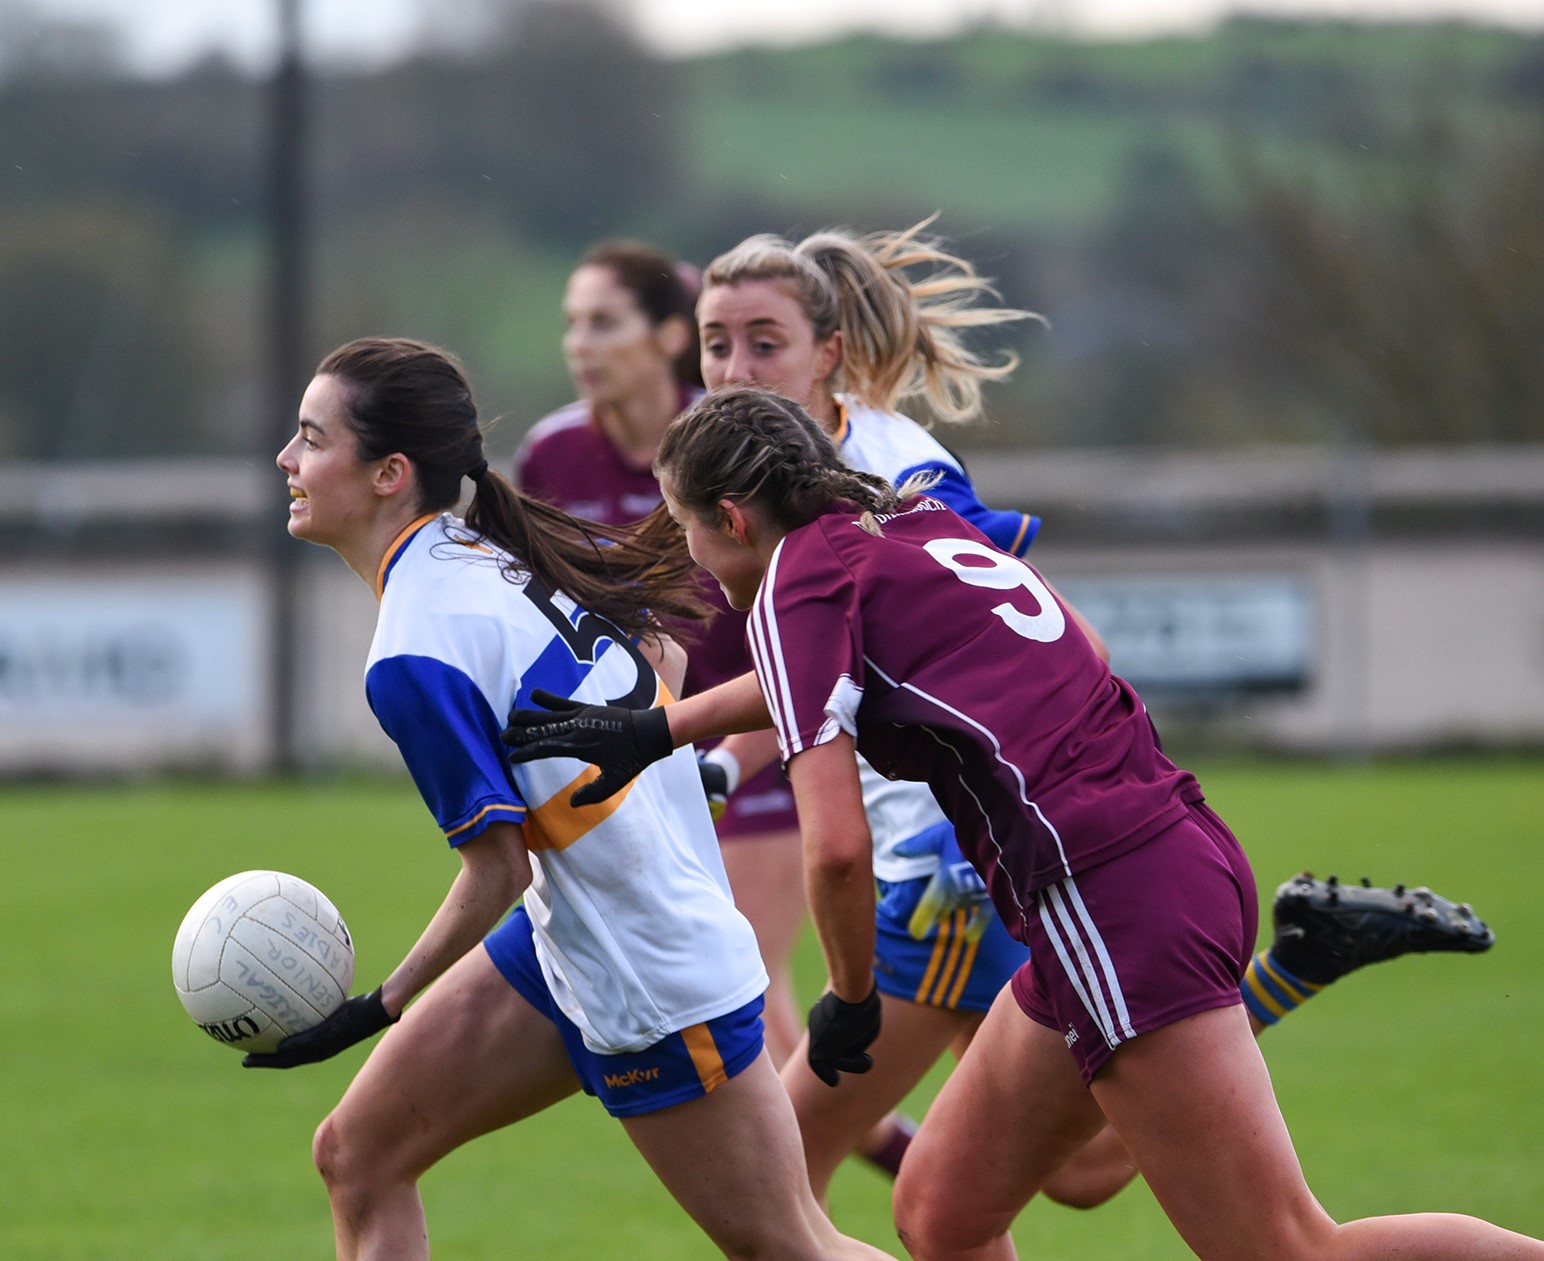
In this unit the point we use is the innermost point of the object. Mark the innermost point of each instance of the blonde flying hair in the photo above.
(901, 331)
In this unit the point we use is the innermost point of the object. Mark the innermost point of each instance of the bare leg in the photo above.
(766, 873)
(732, 1160)
(1008, 1117)
(470, 1057)
(1103, 1167)
(836, 1120)
(1194, 1104)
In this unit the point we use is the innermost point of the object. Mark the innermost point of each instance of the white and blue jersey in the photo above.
(946, 969)
(897, 447)
(635, 929)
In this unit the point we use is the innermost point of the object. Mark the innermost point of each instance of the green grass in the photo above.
(128, 1134)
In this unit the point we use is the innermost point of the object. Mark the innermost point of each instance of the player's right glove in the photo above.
(840, 1035)
(620, 741)
(955, 886)
(360, 1017)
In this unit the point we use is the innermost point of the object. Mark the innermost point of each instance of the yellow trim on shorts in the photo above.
(948, 970)
(705, 1057)
(967, 965)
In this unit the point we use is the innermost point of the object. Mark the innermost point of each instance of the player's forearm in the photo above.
(753, 751)
(842, 907)
(731, 707)
(493, 875)
(838, 862)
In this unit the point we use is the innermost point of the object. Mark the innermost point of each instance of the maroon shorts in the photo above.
(763, 803)
(1156, 934)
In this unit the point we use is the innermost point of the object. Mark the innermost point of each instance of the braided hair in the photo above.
(753, 446)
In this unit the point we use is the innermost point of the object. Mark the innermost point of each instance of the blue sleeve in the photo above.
(1011, 531)
(449, 739)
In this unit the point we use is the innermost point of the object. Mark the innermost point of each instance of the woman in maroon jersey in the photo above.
(885, 624)
(630, 341)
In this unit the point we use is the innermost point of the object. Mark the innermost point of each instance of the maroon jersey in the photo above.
(952, 663)
(567, 460)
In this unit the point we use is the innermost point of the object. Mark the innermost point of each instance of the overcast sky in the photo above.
(162, 35)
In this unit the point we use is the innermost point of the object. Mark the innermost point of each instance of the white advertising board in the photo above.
(124, 671)
(1211, 635)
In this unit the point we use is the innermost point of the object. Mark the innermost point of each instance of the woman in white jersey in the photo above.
(627, 972)
(884, 619)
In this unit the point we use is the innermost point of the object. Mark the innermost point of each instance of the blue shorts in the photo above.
(685, 1065)
(943, 969)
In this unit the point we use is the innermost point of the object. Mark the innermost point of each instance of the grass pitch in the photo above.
(129, 1134)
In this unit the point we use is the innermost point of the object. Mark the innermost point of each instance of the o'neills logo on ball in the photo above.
(232, 1030)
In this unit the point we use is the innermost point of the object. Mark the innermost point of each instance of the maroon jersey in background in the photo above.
(952, 663)
(567, 460)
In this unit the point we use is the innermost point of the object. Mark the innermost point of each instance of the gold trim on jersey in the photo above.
(555, 824)
(397, 544)
(843, 425)
(517, 811)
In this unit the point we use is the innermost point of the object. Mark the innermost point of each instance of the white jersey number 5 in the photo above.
(1003, 573)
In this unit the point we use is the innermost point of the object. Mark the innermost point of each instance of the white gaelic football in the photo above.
(260, 956)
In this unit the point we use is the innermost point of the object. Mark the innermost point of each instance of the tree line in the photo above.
(1297, 234)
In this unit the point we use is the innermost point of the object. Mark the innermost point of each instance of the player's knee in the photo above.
(930, 1224)
(343, 1161)
(327, 1150)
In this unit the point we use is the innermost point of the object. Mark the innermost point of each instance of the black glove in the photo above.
(840, 1034)
(355, 1020)
(618, 740)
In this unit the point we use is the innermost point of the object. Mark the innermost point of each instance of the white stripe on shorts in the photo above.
(1081, 949)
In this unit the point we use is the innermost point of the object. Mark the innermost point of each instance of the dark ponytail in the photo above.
(409, 398)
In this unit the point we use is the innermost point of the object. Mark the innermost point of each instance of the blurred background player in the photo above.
(645, 990)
